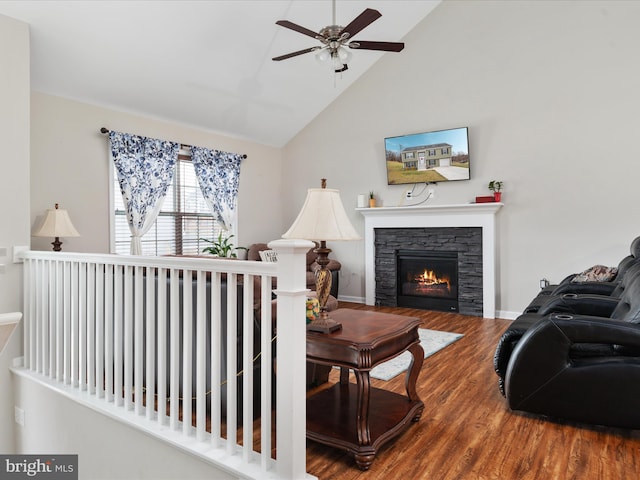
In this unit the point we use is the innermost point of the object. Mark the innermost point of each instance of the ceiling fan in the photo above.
(335, 38)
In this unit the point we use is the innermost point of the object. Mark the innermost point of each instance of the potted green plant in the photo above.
(241, 252)
(496, 186)
(221, 247)
(372, 199)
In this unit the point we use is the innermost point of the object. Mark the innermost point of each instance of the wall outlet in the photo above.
(408, 194)
(18, 414)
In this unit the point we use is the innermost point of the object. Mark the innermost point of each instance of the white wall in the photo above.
(106, 449)
(14, 156)
(14, 193)
(549, 91)
(70, 162)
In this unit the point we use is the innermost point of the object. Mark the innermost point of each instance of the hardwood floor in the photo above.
(467, 432)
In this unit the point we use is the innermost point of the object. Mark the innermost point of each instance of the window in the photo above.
(183, 220)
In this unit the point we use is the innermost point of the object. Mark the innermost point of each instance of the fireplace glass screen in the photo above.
(428, 280)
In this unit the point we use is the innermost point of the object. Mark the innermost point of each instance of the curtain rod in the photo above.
(105, 130)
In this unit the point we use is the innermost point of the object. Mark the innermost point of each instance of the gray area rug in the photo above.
(432, 341)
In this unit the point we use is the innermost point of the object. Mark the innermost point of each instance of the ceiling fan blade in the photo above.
(295, 54)
(384, 46)
(363, 20)
(298, 28)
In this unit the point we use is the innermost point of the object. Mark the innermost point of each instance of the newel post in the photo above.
(291, 357)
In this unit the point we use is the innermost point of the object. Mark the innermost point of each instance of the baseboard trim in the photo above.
(502, 314)
(506, 315)
(348, 298)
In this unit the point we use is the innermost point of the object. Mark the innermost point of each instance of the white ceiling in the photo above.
(202, 63)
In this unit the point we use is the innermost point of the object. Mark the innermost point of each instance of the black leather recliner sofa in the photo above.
(548, 374)
(581, 363)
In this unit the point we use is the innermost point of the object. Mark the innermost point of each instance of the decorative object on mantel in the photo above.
(362, 201)
(56, 224)
(495, 186)
(372, 199)
(323, 218)
(486, 199)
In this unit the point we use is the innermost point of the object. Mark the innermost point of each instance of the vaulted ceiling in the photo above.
(202, 63)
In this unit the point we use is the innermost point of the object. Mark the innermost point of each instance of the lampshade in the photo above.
(57, 224)
(322, 218)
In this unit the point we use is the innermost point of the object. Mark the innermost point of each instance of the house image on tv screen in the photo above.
(426, 156)
(438, 156)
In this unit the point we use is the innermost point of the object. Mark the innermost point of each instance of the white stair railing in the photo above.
(122, 330)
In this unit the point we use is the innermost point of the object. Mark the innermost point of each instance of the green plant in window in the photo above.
(220, 247)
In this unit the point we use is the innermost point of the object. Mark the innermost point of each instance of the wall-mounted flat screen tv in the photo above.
(438, 156)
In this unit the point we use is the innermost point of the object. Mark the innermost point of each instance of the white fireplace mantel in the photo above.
(464, 215)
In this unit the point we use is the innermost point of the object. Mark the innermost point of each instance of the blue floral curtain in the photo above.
(145, 169)
(218, 175)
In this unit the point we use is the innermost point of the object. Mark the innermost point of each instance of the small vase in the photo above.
(497, 196)
(372, 202)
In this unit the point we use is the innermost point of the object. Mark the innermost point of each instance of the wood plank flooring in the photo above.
(467, 432)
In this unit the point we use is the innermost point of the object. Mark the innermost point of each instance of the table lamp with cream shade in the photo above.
(323, 218)
(56, 224)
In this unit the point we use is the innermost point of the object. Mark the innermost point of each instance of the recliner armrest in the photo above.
(593, 288)
(593, 305)
(544, 350)
(543, 377)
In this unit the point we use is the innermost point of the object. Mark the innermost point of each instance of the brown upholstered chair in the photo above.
(312, 265)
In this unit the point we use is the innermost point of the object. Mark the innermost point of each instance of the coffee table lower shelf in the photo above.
(332, 419)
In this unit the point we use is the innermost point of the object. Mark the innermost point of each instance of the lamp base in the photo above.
(324, 324)
(57, 245)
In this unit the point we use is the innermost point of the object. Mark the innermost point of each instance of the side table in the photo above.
(357, 417)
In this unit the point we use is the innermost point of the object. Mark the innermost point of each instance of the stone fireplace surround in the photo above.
(466, 242)
(464, 215)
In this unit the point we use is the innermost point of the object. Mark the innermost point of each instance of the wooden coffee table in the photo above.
(357, 417)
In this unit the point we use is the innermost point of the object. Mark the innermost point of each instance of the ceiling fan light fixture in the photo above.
(336, 42)
(323, 55)
(345, 55)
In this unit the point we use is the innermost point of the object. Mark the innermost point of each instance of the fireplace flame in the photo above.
(429, 277)
(427, 284)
